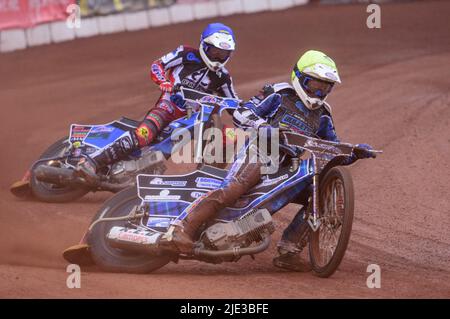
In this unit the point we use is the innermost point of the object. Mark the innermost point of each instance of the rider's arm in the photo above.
(257, 110)
(327, 132)
(160, 67)
(326, 129)
(226, 88)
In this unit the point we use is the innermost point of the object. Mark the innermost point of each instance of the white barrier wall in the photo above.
(88, 28)
(55, 32)
(38, 35)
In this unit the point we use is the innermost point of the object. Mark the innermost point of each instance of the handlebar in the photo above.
(313, 144)
(202, 97)
(359, 151)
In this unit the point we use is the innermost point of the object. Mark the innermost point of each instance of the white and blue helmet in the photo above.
(216, 45)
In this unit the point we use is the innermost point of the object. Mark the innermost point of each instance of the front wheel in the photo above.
(113, 259)
(52, 193)
(329, 242)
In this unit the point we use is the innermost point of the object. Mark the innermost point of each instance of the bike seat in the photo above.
(129, 122)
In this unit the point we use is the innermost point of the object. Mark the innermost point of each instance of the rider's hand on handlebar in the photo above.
(177, 99)
(363, 151)
(166, 87)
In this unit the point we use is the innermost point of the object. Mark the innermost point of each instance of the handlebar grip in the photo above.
(360, 152)
(177, 88)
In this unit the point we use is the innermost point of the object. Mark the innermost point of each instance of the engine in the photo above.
(250, 228)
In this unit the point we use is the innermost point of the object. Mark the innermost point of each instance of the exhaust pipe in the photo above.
(236, 252)
(65, 176)
(54, 175)
(145, 241)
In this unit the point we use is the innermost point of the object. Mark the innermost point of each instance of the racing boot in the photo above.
(88, 167)
(181, 235)
(289, 258)
(294, 239)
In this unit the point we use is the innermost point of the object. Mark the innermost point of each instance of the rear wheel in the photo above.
(114, 259)
(328, 244)
(52, 193)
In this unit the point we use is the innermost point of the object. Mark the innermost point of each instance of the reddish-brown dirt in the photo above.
(394, 95)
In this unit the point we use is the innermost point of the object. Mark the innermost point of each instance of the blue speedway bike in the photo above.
(51, 178)
(124, 234)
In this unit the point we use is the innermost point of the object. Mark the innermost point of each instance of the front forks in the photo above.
(313, 219)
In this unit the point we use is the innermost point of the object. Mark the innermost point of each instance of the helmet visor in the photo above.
(216, 54)
(317, 88)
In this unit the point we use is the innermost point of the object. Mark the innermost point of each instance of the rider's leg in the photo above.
(293, 240)
(243, 175)
(155, 120)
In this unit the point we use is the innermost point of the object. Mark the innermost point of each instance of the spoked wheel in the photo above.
(328, 244)
(114, 259)
(48, 192)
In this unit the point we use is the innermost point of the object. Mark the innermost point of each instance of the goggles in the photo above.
(216, 54)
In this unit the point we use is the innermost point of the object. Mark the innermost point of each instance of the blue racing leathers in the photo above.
(276, 105)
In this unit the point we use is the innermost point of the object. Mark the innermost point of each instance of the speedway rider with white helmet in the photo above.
(202, 69)
(301, 107)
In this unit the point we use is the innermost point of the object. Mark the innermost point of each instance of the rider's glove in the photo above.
(364, 151)
(177, 99)
(166, 86)
(361, 152)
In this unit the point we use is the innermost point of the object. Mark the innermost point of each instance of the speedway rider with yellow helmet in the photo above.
(300, 106)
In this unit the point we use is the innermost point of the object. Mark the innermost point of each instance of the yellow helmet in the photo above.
(313, 77)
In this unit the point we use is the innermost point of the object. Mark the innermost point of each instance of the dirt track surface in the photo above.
(394, 96)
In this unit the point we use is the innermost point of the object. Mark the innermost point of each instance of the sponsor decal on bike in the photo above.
(158, 222)
(268, 181)
(208, 182)
(163, 195)
(209, 99)
(137, 237)
(160, 181)
(197, 194)
(126, 143)
(175, 124)
(102, 129)
(78, 133)
(323, 146)
(80, 128)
